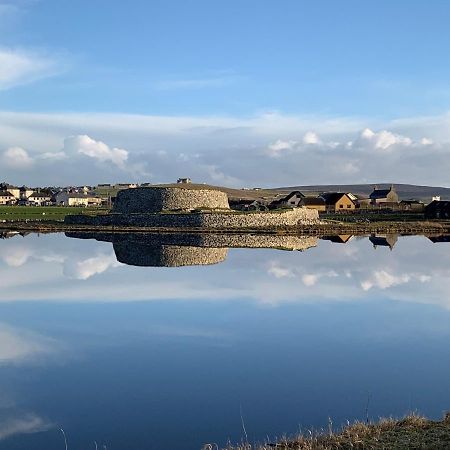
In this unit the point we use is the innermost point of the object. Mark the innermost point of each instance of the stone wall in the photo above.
(158, 199)
(228, 220)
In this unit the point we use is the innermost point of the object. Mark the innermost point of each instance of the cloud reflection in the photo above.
(19, 346)
(53, 267)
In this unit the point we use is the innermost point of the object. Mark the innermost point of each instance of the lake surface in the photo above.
(102, 338)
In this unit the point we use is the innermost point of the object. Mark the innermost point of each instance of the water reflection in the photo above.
(175, 250)
(124, 354)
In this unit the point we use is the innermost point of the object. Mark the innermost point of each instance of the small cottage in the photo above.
(384, 197)
(338, 202)
(6, 198)
(39, 199)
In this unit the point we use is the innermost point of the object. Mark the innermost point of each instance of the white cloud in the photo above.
(194, 83)
(21, 67)
(17, 158)
(278, 147)
(264, 150)
(84, 145)
(384, 139)
(311, 138)
(53, 156)
(426, 141)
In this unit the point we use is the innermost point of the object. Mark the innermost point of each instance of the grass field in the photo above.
(21, 213)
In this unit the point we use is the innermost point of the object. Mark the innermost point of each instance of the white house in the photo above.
(39, 199)
(76, 199)
(6, 198)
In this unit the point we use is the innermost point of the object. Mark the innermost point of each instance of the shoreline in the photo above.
(319, 229)
(410, 432)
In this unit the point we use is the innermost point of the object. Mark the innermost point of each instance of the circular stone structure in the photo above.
(157, 199)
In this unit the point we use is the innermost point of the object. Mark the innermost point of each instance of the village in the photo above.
(382, 200)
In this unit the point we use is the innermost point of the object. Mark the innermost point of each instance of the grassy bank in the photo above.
(411, 432)
(35, 213)
(50, 224)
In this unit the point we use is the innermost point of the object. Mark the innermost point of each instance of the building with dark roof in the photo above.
(384, 196)
(438, 209)
(292, 200)
(338, 202)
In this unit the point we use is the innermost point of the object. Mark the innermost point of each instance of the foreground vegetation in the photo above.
(411, 432)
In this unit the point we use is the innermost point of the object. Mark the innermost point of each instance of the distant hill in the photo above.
(405, 191)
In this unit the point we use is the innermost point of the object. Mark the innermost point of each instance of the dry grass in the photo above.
(410, 433)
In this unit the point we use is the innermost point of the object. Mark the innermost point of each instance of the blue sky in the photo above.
(371, 64)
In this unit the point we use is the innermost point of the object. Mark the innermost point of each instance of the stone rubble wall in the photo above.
(158, 199)
(212, 220)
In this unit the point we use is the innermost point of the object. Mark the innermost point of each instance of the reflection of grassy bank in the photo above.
(412, 432)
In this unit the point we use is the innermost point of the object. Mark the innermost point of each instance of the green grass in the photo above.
(20, 213)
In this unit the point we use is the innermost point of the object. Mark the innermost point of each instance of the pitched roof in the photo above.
(331, 198)
(6, 194)
(313, 201)
(79, 195)
(39, 195)
(381, 193)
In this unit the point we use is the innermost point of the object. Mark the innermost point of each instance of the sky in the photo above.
(254, 93)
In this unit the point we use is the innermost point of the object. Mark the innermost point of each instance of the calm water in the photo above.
(150, 357)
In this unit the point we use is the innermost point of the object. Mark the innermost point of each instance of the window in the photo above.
(341, 206)
(349, 206)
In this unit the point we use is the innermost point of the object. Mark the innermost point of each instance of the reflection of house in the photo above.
(6, 198)
(76, 199)
(292, 200)
(39, 199)
(384, 196)
(338, 239)
(441, 238)
(438, 210)
(338, 202)
(384, 240)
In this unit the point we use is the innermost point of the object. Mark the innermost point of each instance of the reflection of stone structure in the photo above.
(160, 199)
(173, 250)
(136, 254)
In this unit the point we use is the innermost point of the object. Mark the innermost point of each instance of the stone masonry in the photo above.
(164, 199)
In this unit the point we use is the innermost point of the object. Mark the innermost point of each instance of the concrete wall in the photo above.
(157, 199)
